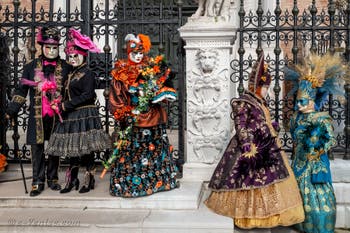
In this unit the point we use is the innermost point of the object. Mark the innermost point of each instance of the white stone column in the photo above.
(208, 90)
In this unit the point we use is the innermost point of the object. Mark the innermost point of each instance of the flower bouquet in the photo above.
(150, 87)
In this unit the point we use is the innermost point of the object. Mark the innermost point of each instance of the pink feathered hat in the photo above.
(80, 44)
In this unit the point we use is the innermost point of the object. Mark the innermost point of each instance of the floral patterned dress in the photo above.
(256, 188)
(313, 137)
(145, 163)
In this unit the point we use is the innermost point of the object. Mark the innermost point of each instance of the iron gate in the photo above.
(107, 21)
(286, 35)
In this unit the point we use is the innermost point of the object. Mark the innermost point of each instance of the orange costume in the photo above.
(143, 158)
(124, 75)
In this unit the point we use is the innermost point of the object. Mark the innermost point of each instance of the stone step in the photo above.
(177, 211)
(110, 220)
(201, 220)
(12, 195)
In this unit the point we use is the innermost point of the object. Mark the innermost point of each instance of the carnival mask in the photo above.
(136, 56)
(75, 59)
(50, 51)
(305, 105)
(263, 91)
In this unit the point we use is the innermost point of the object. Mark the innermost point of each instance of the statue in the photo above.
(211, 8)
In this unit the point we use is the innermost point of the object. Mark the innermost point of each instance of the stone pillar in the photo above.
(208, 47)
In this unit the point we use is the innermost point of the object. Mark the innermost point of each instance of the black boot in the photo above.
(71, 180)
(89, 182)
(53, 185)
(36, 189)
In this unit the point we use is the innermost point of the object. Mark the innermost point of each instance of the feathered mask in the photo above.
(139, 43)
(316, 78)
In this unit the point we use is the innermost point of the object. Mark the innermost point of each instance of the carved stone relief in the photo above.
(208, 106)
(209, 149)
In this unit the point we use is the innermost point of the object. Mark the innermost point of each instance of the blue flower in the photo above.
(136, 180)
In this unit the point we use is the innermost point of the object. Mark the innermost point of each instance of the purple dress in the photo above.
(253, 182)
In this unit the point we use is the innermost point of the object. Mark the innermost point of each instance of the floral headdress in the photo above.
(260, 75)
(48, 35)
(139, 43)
(316, 78)
(78, 43)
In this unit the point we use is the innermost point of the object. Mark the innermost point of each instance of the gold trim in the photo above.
(86, 106)
(19, 99)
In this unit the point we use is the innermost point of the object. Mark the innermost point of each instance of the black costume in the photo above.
(81, 132)
(40, 127)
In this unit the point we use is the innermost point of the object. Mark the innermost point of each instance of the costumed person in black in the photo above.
(43, 78)
(80, 134)
(143, 157)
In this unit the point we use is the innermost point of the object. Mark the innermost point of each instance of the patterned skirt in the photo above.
(80, 133)
(277, 204)
(146, 166)
(319, 204)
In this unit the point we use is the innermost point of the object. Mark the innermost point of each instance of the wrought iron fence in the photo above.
(286, 35)
(107, 22)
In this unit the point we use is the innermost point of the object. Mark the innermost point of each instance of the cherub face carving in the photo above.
(207, 60)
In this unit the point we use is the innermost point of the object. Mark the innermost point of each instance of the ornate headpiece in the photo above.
(316, 78)
(260, 75)
(140, 43)
(48, 35)
(80, 44)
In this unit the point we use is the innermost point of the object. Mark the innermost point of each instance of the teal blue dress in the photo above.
(313, 137)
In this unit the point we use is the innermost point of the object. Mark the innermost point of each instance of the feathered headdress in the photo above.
(48, 35)
(79, 43)
(316, 78)
(140, 43)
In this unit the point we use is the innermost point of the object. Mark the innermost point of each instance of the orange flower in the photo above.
(161, 80)
(3, 162)
(156, 69)
(159, 184)
(121, 113)
(122, 160)
(158, 59)
(151, 147)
